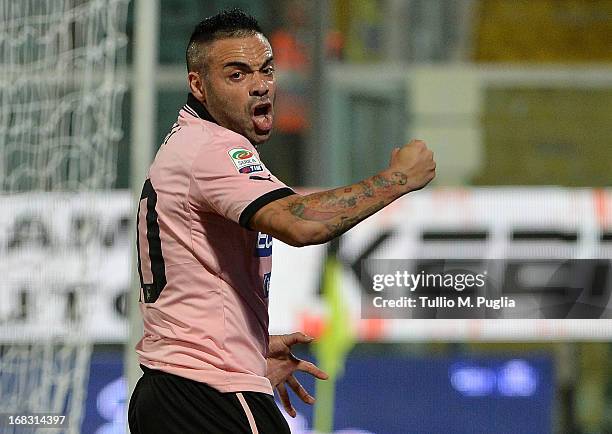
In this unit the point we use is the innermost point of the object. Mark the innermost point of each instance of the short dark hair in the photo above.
(233, 23)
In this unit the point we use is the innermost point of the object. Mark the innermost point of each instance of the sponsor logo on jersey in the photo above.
(251, 169)
(245, 161)
(266, 284)
(263, 249)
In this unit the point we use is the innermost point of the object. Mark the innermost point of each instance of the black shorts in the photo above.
(166, 404)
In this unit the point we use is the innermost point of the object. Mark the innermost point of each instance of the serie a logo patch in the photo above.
(245, 161)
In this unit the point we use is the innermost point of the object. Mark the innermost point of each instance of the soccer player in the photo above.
(207, 215)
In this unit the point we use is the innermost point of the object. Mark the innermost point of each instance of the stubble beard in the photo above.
(242, 125)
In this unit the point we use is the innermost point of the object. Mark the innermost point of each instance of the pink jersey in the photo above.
(204, 275)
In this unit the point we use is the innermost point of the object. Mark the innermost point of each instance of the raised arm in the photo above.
(319, 217)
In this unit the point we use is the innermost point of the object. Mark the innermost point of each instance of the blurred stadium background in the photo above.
(513, 96)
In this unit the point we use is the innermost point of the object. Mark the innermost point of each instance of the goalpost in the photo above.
(62, 84)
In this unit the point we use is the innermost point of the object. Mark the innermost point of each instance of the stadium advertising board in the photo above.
(78, 249)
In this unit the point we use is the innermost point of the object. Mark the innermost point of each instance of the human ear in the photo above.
(196, 86)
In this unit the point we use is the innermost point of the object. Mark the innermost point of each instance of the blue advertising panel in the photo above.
(387, 394)
(106, 405)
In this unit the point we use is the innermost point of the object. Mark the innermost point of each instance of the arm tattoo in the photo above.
(341, 209)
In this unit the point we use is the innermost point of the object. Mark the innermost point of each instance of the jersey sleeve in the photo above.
(233, 181)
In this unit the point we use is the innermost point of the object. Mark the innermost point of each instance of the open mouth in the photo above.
(262, 110)
(261, 114)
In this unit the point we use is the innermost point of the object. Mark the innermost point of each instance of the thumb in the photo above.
(297, 338)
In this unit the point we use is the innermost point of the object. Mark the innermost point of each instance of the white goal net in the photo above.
(62, 82)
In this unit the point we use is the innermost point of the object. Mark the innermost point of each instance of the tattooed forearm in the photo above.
(299, 209)
(346, 223)
(340, 209)
(367, 189)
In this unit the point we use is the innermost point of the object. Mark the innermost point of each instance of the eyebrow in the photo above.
(243, 65)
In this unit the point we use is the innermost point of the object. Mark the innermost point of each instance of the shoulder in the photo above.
(225, 148)
(210, 135)
(227, 139)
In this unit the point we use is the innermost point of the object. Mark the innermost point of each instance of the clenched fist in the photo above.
(416, 161)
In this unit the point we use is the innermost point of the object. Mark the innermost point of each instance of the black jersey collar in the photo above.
(196, 107)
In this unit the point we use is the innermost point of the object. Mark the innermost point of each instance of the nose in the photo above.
(260, 86)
